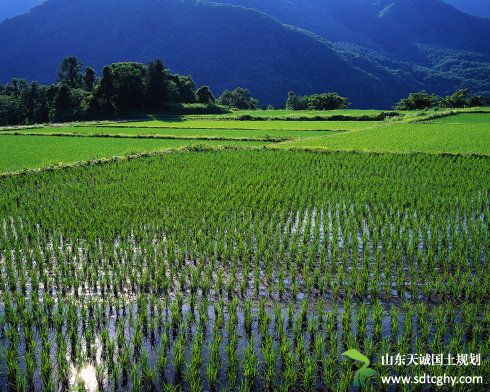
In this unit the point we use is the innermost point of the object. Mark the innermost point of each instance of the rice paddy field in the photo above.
(276, 135)
(245, 258)
(241, 125)
(428, 137)
(21, 152)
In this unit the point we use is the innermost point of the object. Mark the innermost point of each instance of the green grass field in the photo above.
(218, 269)
(28, 152)
(463, 133)
(251, 125)
(454, 138)
(296, 113)
(464, 119)
(236, 268)
(177, 132)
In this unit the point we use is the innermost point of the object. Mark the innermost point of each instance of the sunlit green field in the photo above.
(29, 152)
(246, 134)
(464, 118)
(195, 267)
(448, 137)
(251, 125)
(243, 270)
(299, 113)
(463, 133)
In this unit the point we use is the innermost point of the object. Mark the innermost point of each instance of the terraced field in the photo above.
(183, 133)
(462, 134)
(31, 152)
(253, 125)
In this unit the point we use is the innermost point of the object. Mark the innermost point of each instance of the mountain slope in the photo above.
(383, 48)
(473, 7)
(441, 47)
(393, 26)
(220, 45)
(10, 8)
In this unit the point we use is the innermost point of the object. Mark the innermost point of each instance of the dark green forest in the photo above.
(132, 89)
(123, 89)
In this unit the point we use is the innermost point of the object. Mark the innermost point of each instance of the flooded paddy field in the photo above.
(243, 270)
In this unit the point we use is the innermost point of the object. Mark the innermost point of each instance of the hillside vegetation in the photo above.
(307, 47)
(474, 7)
(11, 8)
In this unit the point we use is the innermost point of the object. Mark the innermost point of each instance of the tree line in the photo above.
(325, 101)
(415, 101)
(128, 88)
(423, 100)
(124, 88)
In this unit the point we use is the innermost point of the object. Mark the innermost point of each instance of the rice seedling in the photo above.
(250, 365)
(100, 376)
(135, 379)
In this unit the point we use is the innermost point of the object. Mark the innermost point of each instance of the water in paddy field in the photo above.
(299, 289)
(317, 326)
(87, 375)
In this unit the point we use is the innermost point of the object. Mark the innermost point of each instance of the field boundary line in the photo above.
(162, 137)
(379, 152)
(216, 128)
(318, 137)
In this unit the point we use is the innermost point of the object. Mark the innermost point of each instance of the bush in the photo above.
(325, 101)
(422, 100)
(418, 101)
(239, 98)
(196, 108)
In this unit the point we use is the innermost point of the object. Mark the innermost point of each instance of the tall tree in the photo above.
(36, 107)
(186, 88)
(89, 79)
(62, 104)
(459, 99)
(204, 95)
(70, 72)
(16, 87)
(10, 111)
(293, 102)
(128, 80)
(156, 86)
(418, 101)
(239, 98)
(103, 97)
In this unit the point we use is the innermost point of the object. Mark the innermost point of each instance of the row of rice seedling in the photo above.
(395, 257)
(241, 270)
(151, 343)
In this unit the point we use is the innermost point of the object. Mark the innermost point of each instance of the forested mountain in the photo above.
(443, 45)
(371, 51)
(474, 7)
(10, 8)
(396, 28)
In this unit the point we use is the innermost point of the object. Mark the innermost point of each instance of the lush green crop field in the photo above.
(253, 125)
(299, 113)
(465, 118)
(246, 269)
(243, 270)
(27, 152)
(471, 137)
(466, 133)
(247, 134)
